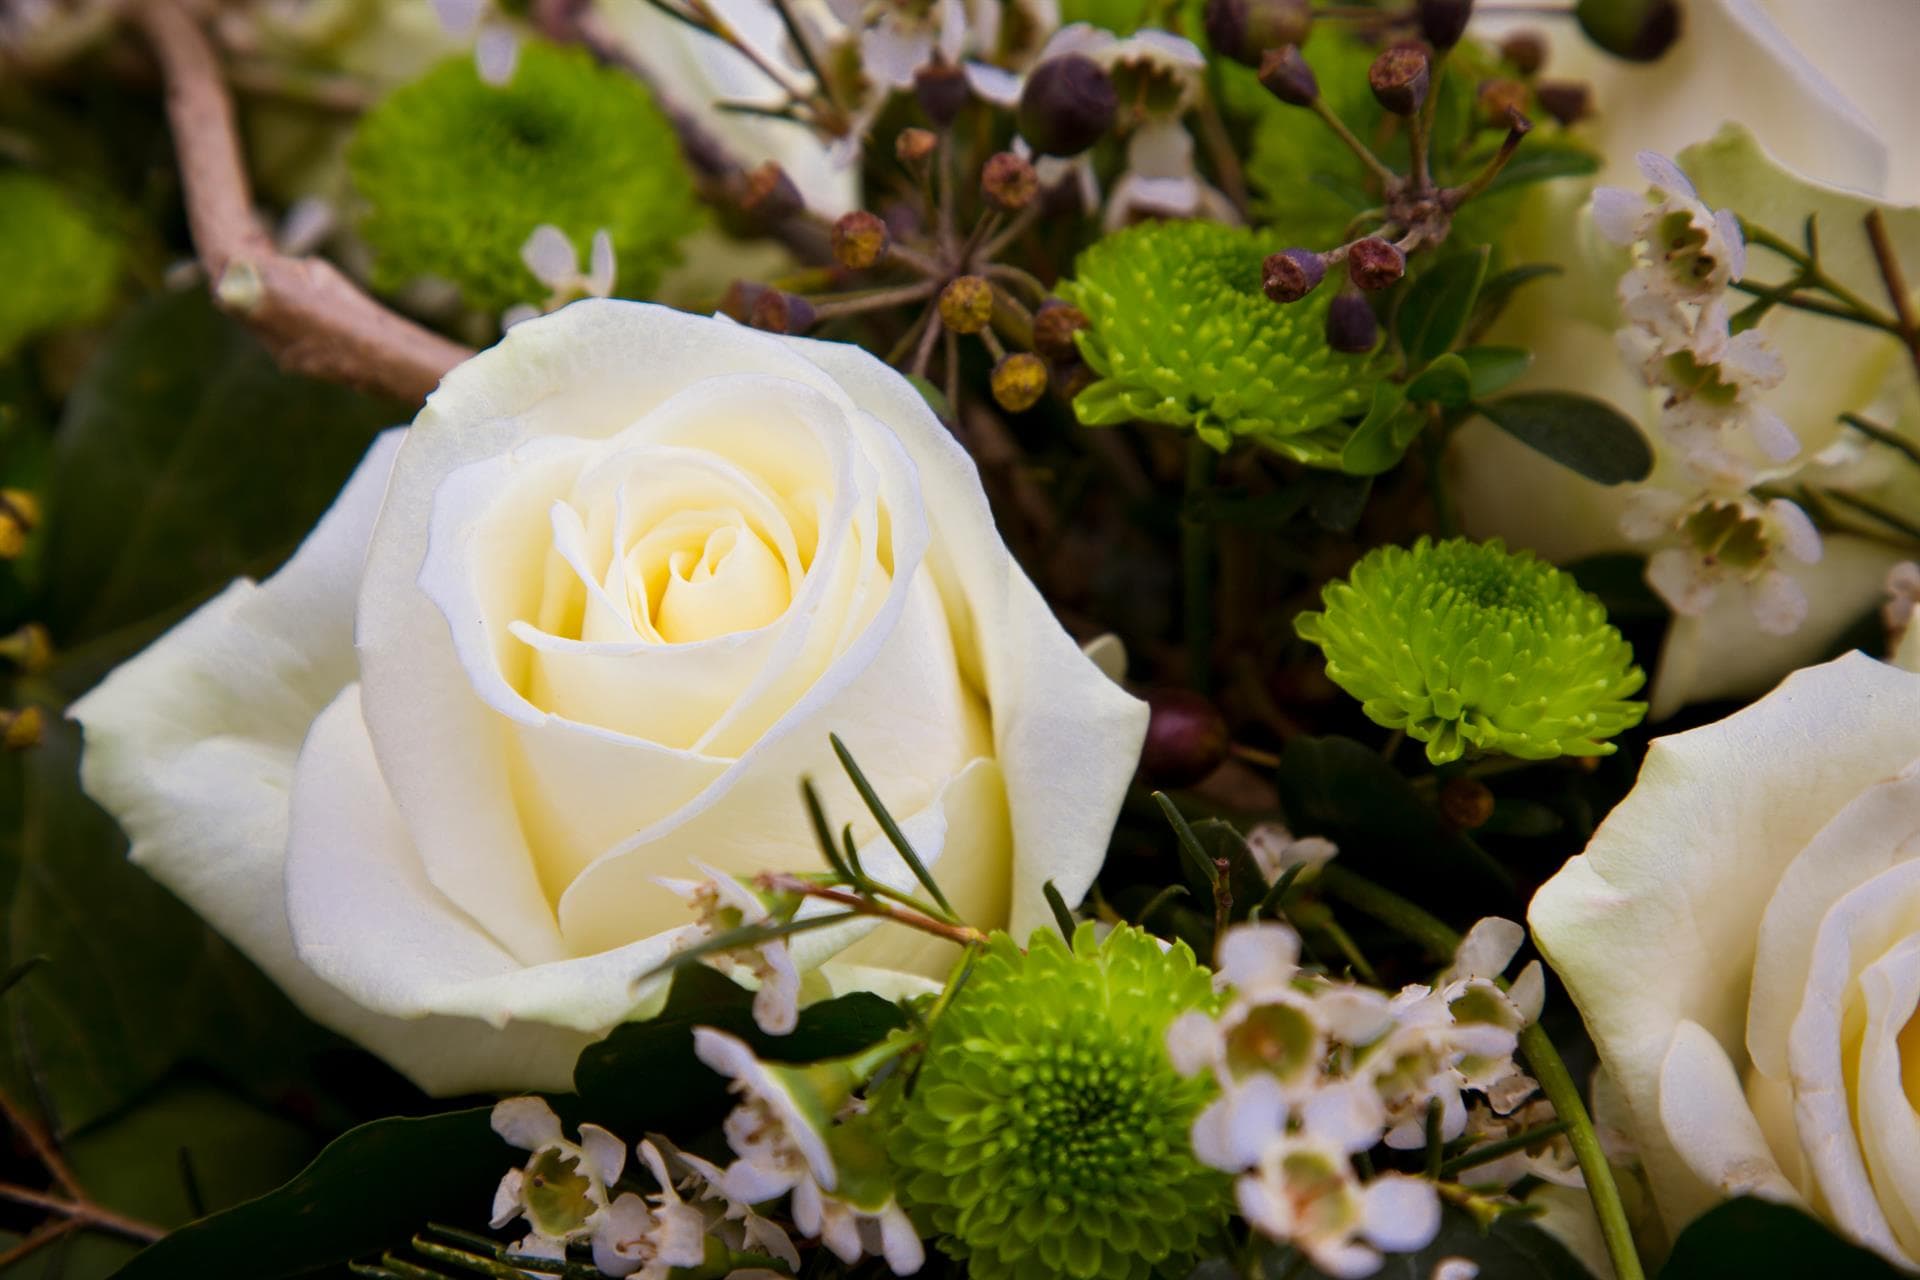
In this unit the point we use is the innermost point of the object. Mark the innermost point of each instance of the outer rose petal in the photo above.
(1875, 75)
(1704, 1114)
(1066, 737)
(1656, 924)
(192, 746)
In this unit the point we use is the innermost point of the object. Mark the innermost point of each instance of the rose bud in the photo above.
(966, 304)
(1637, 30)
(1399, 79)
(1053, 328)
(1009, 182)
(1374, 263)
(1526, 50)
(769, 194)
(1564, 100)
(1350, 325)
(1443, 22)
(859, 240)
(1292, 274)
(941, 92)
(1245, 29)
(1285, 74)
(1019, 381)
(1068, 105)
(1187, 738)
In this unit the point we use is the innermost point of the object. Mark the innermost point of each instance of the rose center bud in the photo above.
(711, 582)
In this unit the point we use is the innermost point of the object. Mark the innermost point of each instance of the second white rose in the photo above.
(591, 618)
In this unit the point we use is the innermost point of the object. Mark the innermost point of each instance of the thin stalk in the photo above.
(1813, 275)
(1883, 435)
(858, 905)
(1422, 133)
(1896, 284)
(1440, 940)
(1488, 1152)
(852, 304)
(1375, 165)
(1196, 565)
(85, 1212)
(1014, 230)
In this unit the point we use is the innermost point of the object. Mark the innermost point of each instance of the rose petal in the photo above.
(1704, 1114)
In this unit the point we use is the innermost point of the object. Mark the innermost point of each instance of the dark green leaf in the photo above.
(1336, 500)
(133, 981)
(1525, 818)
(1376, 444)
(1586, 435)
(1620, 582)
(1338, 788)
(1499, 289)
(1749, 1237)
(1434, 312)
(1512, 1249)
(185, 458)
(645, 1075)
(1493, 369)
(372, 1187)
(1540, 159)
(1446, 382)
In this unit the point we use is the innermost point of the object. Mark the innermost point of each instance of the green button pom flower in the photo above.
(1466, 645)
(457, 173)
(1046, 1133)
(59, 265)
(1180, 332)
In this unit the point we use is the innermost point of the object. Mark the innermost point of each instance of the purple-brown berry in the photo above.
(1068, 104)
(1565, 100)
(911, 147)
(1350, 325)
(859, 240)
(769, 194)
(966, 304)
(1285, 74)
(941, 90)
(1019, 381)
(1374, 264)
(1292, 274)
(1637, 30)
(1526, 51)
(1054, 325)
(1187, 738)
(1245, 29)
(1400, 78)
(1009, 182)
(1443, 22)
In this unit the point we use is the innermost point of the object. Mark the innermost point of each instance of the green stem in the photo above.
(1196, 565)
(1417, 925)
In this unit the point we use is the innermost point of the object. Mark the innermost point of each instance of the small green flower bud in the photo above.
(1399, 79)
(966, 304)
(1245, 29)
(1009, 182)
(1019, 381)
(1350, 325)
(1292, 274)
(1443, 22)
(1053, 328)
(1068, 104)
(769, 194)
(859, 240)
(1374, 264)
(941, 91)
(1565, 100)
(1526, 50)
(1187, 738)
(1637, 30)
(913, 146)
(1285, 74)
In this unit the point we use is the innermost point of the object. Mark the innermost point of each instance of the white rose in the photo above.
(630, 569)
(1824, 119)
(1742, 937)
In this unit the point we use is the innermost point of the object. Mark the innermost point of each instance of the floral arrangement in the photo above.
(793, 639)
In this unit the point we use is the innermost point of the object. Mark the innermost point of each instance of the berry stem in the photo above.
(1196, 565)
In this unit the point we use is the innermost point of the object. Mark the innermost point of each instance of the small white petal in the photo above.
(1681, 580)
(899, 1242)
(1651, 514)
(992, 84)
(602, 271)
(1775, 437)
(1529, 991)
(527, 1123)
(1618, 214)
(1797, 532)
(1455, 1269)
(507, 1198)
(1779, 604)
(1665, 174)
(458, 16)
(1259, 957)
(606, 1154)
(1728, 225)
(1347, 1114)
(550, 256)
(1403, 1213)
(1486, 950)
(496, 53)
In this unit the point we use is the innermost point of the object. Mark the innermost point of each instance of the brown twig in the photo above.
(1896, 283)
(42, 1236)
(312, 317)
(84, 1212)
(44, 1148)
(964, 934)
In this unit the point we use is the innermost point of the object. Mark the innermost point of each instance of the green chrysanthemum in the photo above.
(1181, 333)
(1466, 644)
(1046, 1133)
(457, 173)
(58, 265)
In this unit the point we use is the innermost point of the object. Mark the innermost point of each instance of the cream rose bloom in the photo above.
(1742, 937)
(1819, 104)
(589, 619)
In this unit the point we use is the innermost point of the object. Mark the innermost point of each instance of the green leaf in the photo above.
(1499, 288)
(645, 1075)
(185, 458)
(1586, 435)
(373, 1186)
(1493, 369)
(1447, 382)
(1539, 160)
(1338, 788)
(1375, 444)
(1335, 500)
(1434, 312)
(133, 982)
(1750, 1237)
(1512, 1249)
